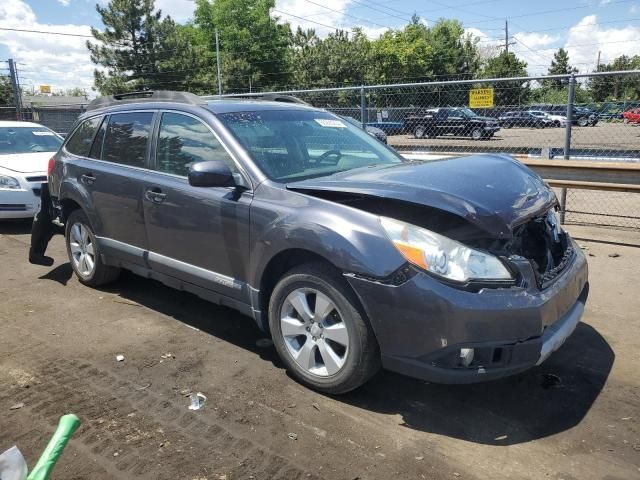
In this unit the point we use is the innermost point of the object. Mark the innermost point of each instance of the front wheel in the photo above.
(477, 134)
(319, 332)
(420, 131)
(583, 122)
(84, 252)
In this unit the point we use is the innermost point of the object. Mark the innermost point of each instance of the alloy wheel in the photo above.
(82, 249)
(314, 332)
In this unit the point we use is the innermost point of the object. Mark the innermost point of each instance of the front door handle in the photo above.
(87, 178)
(155, 195)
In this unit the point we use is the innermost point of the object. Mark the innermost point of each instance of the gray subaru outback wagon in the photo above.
(350, 256)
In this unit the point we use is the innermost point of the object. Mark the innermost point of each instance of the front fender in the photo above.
(352, 240)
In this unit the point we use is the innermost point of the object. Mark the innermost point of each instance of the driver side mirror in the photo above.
(214, 173)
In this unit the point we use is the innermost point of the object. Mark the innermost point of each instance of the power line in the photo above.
(25, 30)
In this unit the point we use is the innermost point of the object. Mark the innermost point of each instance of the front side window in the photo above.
(290, 145)
(126, 138)
(33, 139)
(183, 141)
(81, 139)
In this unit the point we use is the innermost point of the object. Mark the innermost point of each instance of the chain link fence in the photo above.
(528, 117)
(532, 117)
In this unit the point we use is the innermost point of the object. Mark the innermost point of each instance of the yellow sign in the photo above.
(481, 98)
(45, 88)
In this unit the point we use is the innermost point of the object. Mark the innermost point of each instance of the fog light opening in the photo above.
(466, 356)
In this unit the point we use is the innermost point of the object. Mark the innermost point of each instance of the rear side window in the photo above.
(183, 141)
(96, 148)
(81, 139)
(127, 137)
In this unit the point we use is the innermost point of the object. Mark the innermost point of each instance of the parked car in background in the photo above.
(25, 150)
(458, 122)
(349, 255)
(373, 131)
(581, 116)
(632, 116)
(558, 120)
(524, 119)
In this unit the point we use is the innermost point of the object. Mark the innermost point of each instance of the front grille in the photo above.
(12, 207)
(39, 178)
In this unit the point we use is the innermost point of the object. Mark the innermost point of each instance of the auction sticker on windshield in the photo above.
(329, 122)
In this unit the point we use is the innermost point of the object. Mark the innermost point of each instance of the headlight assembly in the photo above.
(441, 255)
(7, 182)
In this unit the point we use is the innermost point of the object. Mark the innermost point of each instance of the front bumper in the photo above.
(423, 324)
(19, 203)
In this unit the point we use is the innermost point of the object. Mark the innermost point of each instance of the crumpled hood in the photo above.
(493, 192)
(26, 162)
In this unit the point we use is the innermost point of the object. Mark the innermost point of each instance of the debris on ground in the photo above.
(614, 255)
(120, 358)
(592, 254)
(501, 437)
(293, 436)
(584, 247)
(197, 401)
(16, 406)
(316, 406)
(185, 392)
(168, 355)
(420, 457)
(292, 405)
(264, 343)
(126, 302)
(144, 387)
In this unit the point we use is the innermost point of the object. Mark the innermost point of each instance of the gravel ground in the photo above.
(602, 137)
(574, 417)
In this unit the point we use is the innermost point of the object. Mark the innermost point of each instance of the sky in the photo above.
(536, 29)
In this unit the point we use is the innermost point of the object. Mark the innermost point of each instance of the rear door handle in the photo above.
(155, 196)
(87, 178)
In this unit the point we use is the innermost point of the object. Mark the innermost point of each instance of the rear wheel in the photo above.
(583, 122)
(420, 131)
(319, 331)
(477, 134)
(84, 252)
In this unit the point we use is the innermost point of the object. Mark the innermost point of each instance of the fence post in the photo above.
(363, 108)
(17, 95)
(567, 141)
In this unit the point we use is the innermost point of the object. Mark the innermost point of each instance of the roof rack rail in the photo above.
(145, 96)
(270, 97)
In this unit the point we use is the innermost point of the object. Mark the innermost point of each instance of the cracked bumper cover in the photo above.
(422, 324)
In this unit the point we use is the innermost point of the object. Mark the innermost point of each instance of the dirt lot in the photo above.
(604, 136)
(575, 417)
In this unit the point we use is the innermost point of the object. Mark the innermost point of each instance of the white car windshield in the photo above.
(14, 140)
(291, 145)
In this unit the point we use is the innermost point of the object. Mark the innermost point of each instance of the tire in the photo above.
(583, 122)
(477, 134)
(420, 131)
(557, 124)
(80, 240)
(352, 365)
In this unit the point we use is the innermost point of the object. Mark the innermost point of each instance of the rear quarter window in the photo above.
(81, 139)
(127, 137)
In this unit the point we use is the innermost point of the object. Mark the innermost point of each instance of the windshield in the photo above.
(537, 114)
(28, 140)
(290, 145)
(468, 112)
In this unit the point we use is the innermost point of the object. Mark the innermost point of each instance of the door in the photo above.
(199, 235)
(457, 123)
(112, 175)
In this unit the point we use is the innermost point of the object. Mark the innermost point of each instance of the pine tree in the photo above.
(560, 66)
(139, 49)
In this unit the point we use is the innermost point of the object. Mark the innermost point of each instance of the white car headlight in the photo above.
(7, 182)
(441, 255)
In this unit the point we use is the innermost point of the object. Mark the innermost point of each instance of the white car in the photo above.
(25, 150)
(558, 120)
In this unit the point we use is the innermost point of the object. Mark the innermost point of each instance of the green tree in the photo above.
(615, 88)
(254, 47)
(508, 92)
(6, 92)
(559, 66)
(139, 49)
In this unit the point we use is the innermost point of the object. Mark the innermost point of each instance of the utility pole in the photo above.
(218, 63)
(598, 62)
(15, 86)
(506, 36)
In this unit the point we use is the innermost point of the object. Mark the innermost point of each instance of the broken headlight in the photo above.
(441, 255)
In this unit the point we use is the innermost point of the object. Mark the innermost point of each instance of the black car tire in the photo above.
(101, 274)
(420, 131)
(477, 134)
(362, 355)
(583, 122)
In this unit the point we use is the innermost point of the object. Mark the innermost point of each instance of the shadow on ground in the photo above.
(544, 401)
(16, 226)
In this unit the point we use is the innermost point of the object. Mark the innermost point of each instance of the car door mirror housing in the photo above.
(214, 173)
